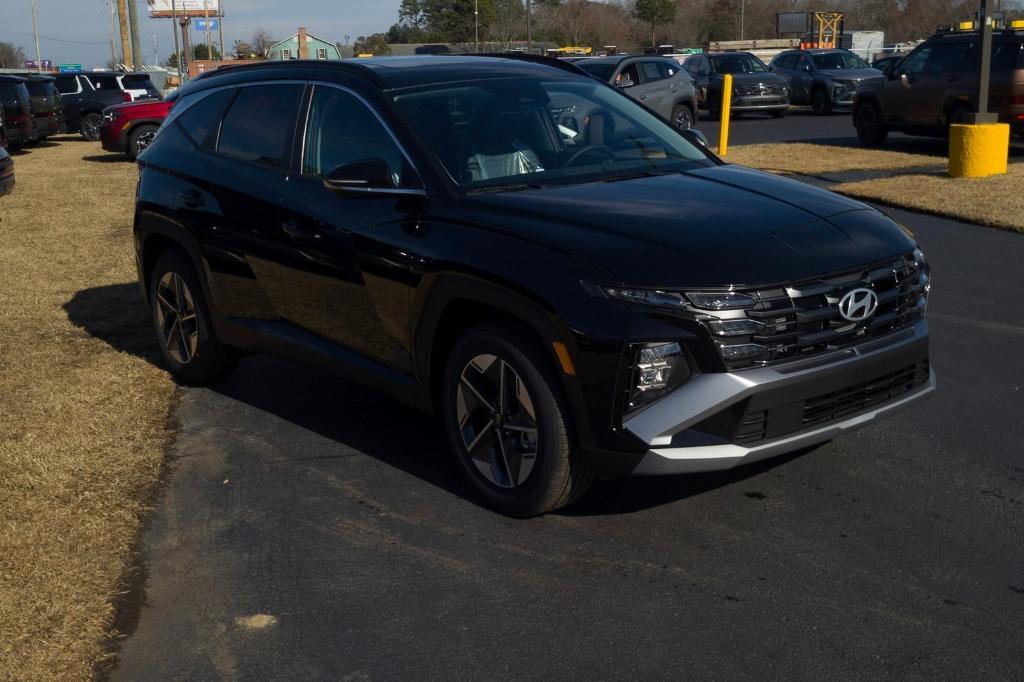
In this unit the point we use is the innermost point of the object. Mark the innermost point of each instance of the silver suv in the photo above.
(824, 78)
(660, 83)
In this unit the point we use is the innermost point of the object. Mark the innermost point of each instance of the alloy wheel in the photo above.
(144, 140)
(497, 421)
(91, 127)
(177, 318)
(684, 119)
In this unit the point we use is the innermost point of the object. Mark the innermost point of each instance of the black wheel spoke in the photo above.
(177, 318)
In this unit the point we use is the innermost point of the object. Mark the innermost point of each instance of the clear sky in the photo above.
(87, 22)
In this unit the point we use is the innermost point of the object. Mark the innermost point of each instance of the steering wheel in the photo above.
(607, 151)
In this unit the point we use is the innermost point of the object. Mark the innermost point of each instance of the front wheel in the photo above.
(90, 126)
(140, 139)
(682, 116)
(821, 103)
(190, 348)
(867, 119)
(508, 424)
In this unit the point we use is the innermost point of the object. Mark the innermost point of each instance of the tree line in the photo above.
(635, 23)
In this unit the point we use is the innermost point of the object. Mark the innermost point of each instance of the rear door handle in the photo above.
(191, 198)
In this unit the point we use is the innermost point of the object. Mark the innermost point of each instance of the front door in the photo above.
(347, 265)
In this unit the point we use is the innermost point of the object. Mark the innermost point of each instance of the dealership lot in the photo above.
(311, 528)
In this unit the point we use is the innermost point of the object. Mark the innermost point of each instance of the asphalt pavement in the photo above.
(308, 528)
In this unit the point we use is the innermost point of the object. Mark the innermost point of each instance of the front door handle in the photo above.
(296, 231)
(191, 198)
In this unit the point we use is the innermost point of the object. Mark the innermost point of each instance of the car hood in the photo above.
(858, 75)
(717, 226)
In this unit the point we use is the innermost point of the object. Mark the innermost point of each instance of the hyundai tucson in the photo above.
(575, 285)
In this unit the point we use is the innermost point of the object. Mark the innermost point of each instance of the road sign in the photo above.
(67, 68)
(201, 24)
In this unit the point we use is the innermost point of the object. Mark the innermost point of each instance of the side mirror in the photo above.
(697, 136)
(366, 176)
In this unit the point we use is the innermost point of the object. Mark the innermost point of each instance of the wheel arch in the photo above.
(155, 236)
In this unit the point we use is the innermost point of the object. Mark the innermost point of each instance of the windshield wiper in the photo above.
(646, 173)
(509, 187)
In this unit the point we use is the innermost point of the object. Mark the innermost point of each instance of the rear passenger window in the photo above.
(258, 125)
(651, 72)
(199, 119)
(67, 86)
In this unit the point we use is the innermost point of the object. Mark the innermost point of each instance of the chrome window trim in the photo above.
(366, 103)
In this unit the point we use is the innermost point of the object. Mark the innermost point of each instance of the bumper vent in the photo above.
(803, 319)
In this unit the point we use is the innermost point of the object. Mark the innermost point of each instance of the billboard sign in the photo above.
(793, 22)
(185, 8)
(206, 24)
(33, 64)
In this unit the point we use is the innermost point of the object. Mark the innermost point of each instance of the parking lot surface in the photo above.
(310, 528)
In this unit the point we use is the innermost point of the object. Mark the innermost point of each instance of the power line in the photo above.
(58, 40)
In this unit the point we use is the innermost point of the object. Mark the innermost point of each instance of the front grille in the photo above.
(803, 319)
(758, 89)
(828, 407)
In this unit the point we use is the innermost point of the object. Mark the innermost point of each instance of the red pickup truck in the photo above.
(127, 128)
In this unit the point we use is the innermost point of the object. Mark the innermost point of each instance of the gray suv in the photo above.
(660, 83)
(824, 78)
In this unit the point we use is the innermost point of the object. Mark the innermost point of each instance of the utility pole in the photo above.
(122, 22)
(476, 25)
(206, 16)
(113, 36)
(133, 22)
(985, 17)
(529, 29)
(35, 33)
(174, 32)
(185, 56)
(743, 10)
(156, 50)
(220, 27)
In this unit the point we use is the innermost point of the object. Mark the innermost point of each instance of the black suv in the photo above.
(83, 104)
(754, 87)
(47, 108)
(937, 84)
(15, 112)
(615, 300)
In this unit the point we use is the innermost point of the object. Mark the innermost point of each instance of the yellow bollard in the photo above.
(978, 150)
(723, 130)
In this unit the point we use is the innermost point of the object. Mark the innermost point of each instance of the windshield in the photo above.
(737, 63)
(602, 70)
(524, 131)
(838, 60)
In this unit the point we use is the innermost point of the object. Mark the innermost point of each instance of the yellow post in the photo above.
(978, 150)
(723, 131)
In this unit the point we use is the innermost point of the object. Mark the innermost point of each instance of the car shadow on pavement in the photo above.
(358, 419)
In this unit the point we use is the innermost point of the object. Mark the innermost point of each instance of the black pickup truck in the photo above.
(84, 104)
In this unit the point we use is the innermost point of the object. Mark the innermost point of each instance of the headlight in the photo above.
(657, 369)
(924, 278)
(647, 297)
(723, 300)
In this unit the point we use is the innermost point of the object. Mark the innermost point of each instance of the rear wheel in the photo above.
(90, 126)
(867, 118)
(140, 139)
(508, 424)
(182, 322)
(820, 101)
(957, 114)
(682, 116)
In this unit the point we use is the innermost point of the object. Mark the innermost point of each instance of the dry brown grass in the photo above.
(818, 159)
(83, 415)
(996, 201)
(914, 181)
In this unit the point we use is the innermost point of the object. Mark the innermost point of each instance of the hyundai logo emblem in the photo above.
(858, 304)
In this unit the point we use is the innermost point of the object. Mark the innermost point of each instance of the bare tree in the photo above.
(509, 20)
(11, 56)
(261, 41)
(574, 15)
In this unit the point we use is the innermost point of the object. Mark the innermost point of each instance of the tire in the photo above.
(143, 132)
(956, 114)
(820, 102)
(90, 126)
(194, 355)
(714, 106)
(510, 470)
(682, 117)
(781, 113)
(867, 118)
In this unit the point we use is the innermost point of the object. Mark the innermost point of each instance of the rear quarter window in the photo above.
(258, 125)
(198, 118)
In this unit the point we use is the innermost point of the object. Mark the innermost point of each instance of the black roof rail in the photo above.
(525, 57)
(324, 65)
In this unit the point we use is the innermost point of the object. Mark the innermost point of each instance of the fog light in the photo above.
(742, 352)
(738, 327)
(658, 369)
(724, 300)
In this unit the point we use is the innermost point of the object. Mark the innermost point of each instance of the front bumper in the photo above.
(744, 103)
(112, 137)
(779, 409)
(843, 95)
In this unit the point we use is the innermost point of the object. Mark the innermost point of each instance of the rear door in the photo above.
(346, 269)
(945, 71)
(231, 191)
(700, 71)
(655, 87)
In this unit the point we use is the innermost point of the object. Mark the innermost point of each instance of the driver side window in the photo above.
(341, 130)
(917, 60)
(628, 77)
